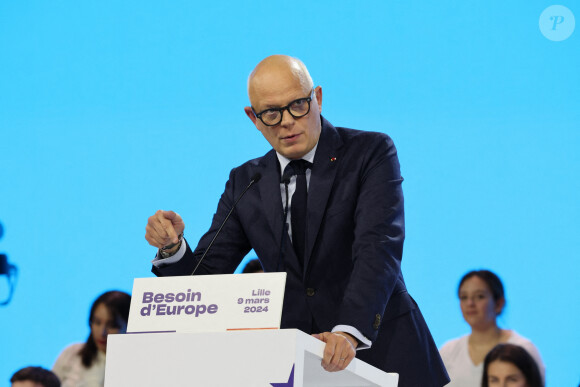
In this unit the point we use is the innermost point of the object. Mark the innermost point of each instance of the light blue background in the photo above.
(110, 110)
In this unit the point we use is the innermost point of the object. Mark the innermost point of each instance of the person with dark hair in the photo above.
(482, 300)
(83, 364)
(510, 365)
(34, 377)
(253, 266)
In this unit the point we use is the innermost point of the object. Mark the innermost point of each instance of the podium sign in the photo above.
(208, 303)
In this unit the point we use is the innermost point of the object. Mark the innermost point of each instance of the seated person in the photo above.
(481, 299)
(34, 377)
(83, 364)
(253, 266)
(510, 365)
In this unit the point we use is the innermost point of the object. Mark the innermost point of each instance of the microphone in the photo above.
(288, 172)
(11, 272)
(255, 178)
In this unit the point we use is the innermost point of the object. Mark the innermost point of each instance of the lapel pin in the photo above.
(332, 159)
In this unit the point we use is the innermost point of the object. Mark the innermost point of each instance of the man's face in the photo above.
(292, 137)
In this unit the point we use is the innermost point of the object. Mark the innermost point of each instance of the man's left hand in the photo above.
(339, 351)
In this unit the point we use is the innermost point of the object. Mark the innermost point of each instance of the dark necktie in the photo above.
(298, 208)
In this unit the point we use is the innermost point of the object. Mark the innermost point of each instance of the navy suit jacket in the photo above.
(354, 244)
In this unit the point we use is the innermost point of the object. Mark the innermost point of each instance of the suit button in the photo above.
(377, 323)
(310, 292)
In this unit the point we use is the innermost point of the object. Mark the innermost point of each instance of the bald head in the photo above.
(277, 83)
(274, 68)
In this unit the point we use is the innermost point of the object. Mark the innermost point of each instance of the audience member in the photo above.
(510, 365)
(34, 377)
(83, 364)
(253, 266)
(481, 298)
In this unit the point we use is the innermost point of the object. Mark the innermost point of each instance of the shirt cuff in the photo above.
(363, 342)
(158, 261)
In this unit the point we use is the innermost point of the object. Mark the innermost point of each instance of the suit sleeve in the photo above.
(379, 232)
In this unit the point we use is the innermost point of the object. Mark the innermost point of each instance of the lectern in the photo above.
(221, 330)
(252, 358)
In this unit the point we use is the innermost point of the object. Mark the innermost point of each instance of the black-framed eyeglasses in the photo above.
(297, 108)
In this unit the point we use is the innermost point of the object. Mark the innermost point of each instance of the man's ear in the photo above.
(250, 114)
(318, 95)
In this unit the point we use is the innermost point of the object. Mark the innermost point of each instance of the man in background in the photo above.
(253, 266)
(34, 377)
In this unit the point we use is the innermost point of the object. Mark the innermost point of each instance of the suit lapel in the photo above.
(270, 193)
(324, 170)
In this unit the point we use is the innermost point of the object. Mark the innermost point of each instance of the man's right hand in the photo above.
(164, 228)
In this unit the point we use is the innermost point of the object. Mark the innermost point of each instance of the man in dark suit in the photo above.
(342, 254)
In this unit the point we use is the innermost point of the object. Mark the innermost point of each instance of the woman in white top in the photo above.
(83, 364)
(481, 298)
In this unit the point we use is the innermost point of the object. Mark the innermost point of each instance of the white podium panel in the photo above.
(256, 358)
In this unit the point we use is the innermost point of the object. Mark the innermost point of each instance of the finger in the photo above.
(338, 351)
(346, 355)
(343, 353)
(171, 215)
(336, 360)
(153, 238)
(327, 353)
(163, 227)
(329, 350)
(177, 225)
(155, 233)
(339, 362)
(344, 364)
(165, 219)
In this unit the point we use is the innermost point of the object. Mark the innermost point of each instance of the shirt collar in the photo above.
(284, 161)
